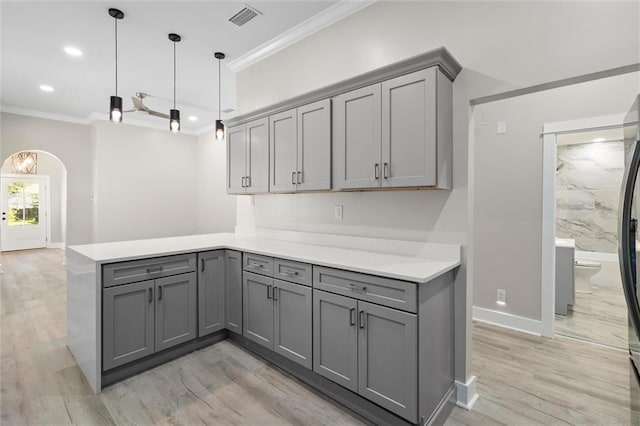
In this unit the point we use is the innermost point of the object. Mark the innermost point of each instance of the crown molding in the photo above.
(327, 17)
(45, 115)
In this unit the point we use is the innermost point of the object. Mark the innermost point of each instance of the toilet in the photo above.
(584, 270)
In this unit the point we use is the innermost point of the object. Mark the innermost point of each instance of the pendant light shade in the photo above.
(115, 104)
(219, 126)
(174, 114)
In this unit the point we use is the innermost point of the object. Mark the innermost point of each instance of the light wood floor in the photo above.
(522, 379)
(599, 317)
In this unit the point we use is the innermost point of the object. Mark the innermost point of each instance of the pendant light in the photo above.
(219, 126)
(174, 114)
(115, 104)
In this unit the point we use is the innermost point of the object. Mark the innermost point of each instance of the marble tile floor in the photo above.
(522, 379)
(600, 317)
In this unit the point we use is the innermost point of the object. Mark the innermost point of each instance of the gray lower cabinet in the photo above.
(211, 291)
(257, 309)
(233, 291)
(292, 333)
(176, 310)
(369, 349)
(127, 323)
(141, 318)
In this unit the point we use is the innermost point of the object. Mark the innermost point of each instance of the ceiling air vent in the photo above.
(244, 16)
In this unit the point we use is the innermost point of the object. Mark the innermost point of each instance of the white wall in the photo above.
(507, 185)
(50, 166)
(73, 145)
(145, 182)
(216, 210)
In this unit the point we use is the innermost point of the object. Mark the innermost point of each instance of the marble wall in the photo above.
(588, 180)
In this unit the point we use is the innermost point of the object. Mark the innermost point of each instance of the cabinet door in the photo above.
(314, 146)
(292, 321)
(356, 139)
(233, 291)
(176, 310)
(211, 283)
(335, 338)
(236, 160)
(127, 323)
(257, 136)
(387, 359)
(409, 155)
(283, 151)
(257, 309)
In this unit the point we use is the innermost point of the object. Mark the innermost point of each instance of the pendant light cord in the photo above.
(219, 91)
(116, 33)
(174, 75)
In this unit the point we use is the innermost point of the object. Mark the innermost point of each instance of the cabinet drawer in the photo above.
(262, 265)
(147, 269)
(383, 291)
(289, 270)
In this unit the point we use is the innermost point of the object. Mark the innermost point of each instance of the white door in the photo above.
(23, 224)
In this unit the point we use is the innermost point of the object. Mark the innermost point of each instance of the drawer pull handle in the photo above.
(352, 316)
(290, 273)
(154, 270)
(358, 289)
(361, 319)
(256, 265)
(268, 292)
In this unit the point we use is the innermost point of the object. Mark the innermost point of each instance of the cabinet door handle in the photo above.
(268, 292)
(159, 292)
(352, 316)
(275, 293)
(243, 178)
(299, 177)
(361, 319)
(376, 171)
(202, 264)
(150, 294)
(248, 181)
(293, 178)
(386, 170)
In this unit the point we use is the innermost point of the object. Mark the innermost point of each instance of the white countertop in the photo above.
(565, 242)
(408, 268)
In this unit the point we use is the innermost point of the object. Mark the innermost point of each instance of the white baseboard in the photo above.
(56, 245)
(466, 394)
(503, 319)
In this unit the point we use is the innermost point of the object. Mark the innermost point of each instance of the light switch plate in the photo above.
(501, 128)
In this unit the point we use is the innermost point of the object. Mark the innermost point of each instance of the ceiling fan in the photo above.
(138, 105)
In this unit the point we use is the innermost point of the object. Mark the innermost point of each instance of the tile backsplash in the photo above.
(588, 180)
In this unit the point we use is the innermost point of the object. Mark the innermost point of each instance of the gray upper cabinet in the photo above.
(335, 338)
(292, 321)
(394, 134)
(257, 309)
(409, 154)
(127, 323)
(211, 291)
(233, 291)
(357, 139)
(314, 146)
(300, 157)
(176, 310)
(283, 151)
(248, 158)
(387, 359)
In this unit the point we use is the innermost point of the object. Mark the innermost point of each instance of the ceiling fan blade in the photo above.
(137, 104)
(130, 110)
(157, 114)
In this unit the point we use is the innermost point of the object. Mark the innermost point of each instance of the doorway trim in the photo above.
(549, 145)
(47, 180)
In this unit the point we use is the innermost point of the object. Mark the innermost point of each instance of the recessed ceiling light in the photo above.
(46, 88)
(73, 51)
(193, 118)
(599, 140)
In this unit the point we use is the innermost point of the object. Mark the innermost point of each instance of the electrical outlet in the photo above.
(502, 297)
(337, 212)
(501, 127)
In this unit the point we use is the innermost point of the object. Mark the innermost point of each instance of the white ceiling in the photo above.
(35, 33)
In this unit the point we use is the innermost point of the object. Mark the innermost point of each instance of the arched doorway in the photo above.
(34, 203)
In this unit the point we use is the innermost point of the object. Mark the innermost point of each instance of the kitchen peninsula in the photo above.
(368, 322)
